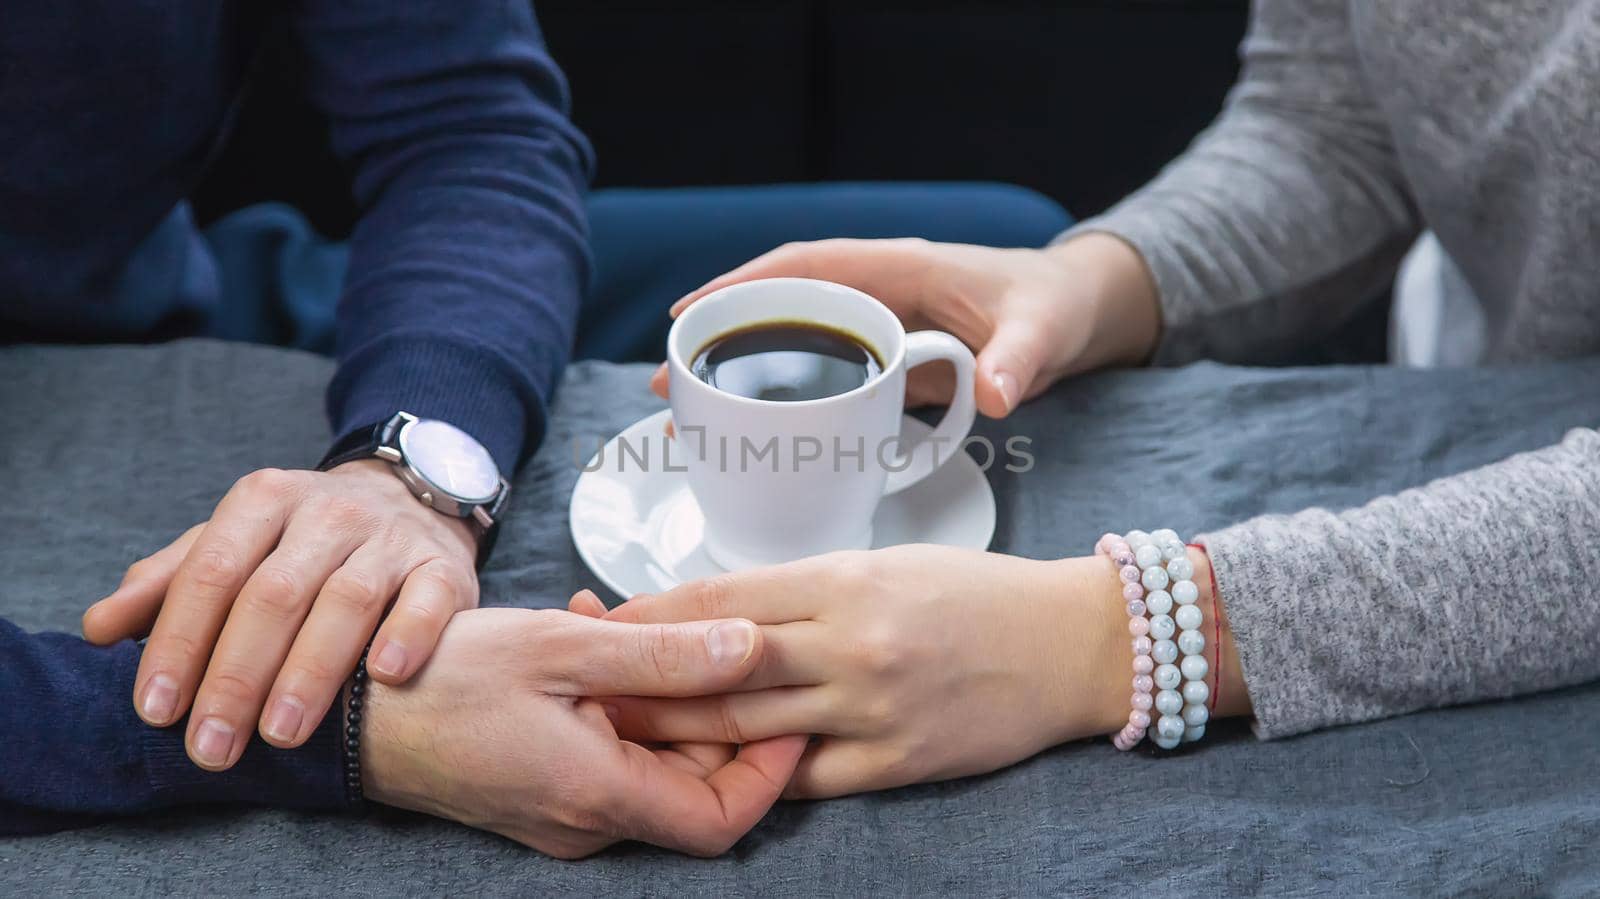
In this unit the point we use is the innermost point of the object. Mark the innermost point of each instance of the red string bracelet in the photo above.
(1216, 621)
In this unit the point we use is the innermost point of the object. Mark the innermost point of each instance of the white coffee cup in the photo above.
(779, 481)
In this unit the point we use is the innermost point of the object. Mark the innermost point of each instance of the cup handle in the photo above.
(938, 447)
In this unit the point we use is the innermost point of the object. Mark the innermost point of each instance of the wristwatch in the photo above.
(442, 464)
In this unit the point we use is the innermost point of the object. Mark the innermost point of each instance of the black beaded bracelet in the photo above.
(352, 731)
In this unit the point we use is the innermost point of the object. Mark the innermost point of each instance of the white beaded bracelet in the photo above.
(1182, 703)
(1176, 641)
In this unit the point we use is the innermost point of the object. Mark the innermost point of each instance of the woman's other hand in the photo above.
(1031, 316)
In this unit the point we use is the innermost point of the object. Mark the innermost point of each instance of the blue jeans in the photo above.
(651, 246)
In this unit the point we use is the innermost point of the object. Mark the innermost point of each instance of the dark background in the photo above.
(1081, 100)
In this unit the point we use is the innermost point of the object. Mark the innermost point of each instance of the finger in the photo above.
(883, 268)
(930, 385)
(771, 595)
(329, 643)
(658, 381)
(244, 528)
(1008, 366)
(254, 643)
(732, 718)
(709, 756)
(585, 603)
(671, 808)
(699, 759)
(797, 654)
(431, 595)
(605, 658)
(835, 767)
(131, 608)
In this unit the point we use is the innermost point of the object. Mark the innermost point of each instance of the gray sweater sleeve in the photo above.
(1288, 212)
(1476, 586)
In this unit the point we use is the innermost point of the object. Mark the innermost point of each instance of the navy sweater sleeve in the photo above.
(471, 254)
(72, 750)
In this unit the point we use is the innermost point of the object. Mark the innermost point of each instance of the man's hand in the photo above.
(496, 732)
(261, 612)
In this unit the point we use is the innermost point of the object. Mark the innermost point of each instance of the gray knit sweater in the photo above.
(1355, 125)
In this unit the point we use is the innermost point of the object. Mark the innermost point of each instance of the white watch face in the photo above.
(449, 459)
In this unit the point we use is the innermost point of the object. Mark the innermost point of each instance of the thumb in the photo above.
(659, 380)
(679, 810)
(132, 608)
(584, 602)
(1008, 366)
(611, 658)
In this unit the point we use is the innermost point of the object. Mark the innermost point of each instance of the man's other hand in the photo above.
(257, 616)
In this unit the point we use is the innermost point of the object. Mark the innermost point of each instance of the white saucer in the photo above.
(639, 530)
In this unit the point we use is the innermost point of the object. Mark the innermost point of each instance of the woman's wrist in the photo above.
(1089, 650)
(1125, 304)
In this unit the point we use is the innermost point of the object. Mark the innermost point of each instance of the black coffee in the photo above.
(786, 361)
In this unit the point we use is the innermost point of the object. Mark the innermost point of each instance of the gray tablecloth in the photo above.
(107, 453)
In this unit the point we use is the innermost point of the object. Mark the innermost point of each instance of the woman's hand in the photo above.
(495, 732)
(257, 616)
(913, 663)
(1031, 316)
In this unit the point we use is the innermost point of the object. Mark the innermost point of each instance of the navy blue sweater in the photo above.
(468, 261)
(72, 749)
(460, 301)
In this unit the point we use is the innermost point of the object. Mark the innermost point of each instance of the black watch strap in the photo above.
(363, 443)
(486, 539)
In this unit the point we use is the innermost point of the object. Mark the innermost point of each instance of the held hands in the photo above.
(257, 616)
(1030, 316)
(913, 663)
(496, 733)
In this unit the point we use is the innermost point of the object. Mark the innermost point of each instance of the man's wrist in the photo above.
(376, 759)
(384, 471)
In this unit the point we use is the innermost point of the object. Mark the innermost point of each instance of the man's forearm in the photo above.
(471, 254)
(73, 750)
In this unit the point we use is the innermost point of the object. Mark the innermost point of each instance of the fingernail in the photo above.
(391, 660)
(213, 742)
(1006, 383)
(284, 722)
(160, 700)
(731, 642)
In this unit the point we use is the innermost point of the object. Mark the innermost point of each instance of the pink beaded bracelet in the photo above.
(1117, 550)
